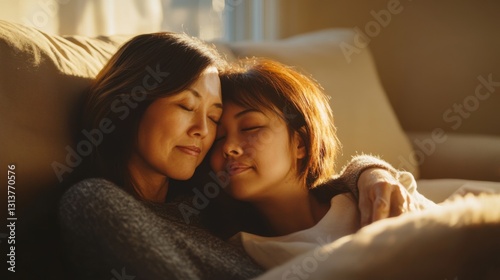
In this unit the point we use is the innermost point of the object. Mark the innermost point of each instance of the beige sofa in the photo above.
(42, 78)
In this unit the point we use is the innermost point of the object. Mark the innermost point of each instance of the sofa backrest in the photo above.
(42, 78)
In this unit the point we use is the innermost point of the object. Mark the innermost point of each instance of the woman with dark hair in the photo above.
(153, 112)
(155, 84)
(156, 103)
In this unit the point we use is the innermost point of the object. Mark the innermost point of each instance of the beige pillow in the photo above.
(365, 120)
(42, 77)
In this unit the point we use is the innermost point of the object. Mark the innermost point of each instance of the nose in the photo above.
(232, 148)
(200, 127)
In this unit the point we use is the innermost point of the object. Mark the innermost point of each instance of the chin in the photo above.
(238, 193)
(182, 176)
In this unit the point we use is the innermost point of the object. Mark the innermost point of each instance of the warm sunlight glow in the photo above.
(218, 5)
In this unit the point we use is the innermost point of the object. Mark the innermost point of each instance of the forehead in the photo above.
(207, 85)
(233, 113)
(250, 99)
(231, 109)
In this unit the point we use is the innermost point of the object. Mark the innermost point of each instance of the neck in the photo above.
(149, 184)
(291, 211)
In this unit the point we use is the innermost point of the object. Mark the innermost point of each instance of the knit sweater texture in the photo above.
(109, 234)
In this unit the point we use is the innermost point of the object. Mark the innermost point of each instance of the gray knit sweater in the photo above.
(109, 234)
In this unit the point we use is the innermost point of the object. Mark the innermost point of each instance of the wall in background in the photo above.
(429, 55)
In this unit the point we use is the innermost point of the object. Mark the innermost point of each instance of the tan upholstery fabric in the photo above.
(455, 155)
(438, 190)
(41, 80)
(365, 120)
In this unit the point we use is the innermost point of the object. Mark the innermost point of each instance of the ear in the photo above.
(300, 148)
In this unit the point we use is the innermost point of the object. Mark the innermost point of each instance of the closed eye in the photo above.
(186, 108)
(215, 120)
(251, 128)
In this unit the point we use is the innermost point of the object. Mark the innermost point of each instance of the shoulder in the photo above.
(95, 188)
(95, 195)
(344, 201)
(92, 183)
(341, 219)
(344, 209)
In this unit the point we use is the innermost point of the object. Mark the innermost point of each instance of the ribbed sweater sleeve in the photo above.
(350, 173)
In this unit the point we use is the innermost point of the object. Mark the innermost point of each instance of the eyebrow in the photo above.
(198, 95)
(238, 115)
(194, 92)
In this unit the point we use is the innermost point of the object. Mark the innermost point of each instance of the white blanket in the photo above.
(460, 238)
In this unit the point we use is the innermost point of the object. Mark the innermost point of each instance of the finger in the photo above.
(398, 202)
(411, 203)
(365, 208)
(381, 205)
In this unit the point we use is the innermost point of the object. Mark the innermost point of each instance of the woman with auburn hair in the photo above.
(275, 146)
(152, 113)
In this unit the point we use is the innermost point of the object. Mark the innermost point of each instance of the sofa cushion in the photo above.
(439, 190)
(42, 78)
(438, 157)
(364, 118)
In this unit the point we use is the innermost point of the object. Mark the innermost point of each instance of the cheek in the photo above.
(209, 139)
(264, 138)
(278, 153)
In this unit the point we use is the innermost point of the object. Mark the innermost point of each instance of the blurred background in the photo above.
(430, 55)
(426, 46)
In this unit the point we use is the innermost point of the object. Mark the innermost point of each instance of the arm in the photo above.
(382, 191)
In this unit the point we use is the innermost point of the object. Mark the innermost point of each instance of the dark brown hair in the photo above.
(148, 67)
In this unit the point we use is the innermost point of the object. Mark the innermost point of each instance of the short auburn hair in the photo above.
(298, 100)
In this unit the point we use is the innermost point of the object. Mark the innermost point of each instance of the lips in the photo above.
(234, 168)
(190, 150)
